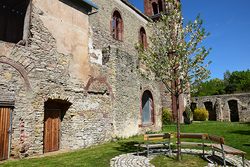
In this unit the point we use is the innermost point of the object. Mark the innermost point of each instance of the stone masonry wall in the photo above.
(221, 107)
(38, 77)
(33, 75)
(128, 88)
(120, 59)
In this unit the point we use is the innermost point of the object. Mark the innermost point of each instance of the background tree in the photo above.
(235, 82)
(173, 60)
(212, 87)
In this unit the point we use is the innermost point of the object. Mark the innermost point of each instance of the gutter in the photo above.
(92, 5)
(157, 15)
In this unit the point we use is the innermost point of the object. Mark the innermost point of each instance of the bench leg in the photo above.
(137, 151)
(148, 152)
(212, 151)
(203, 151)
(170, 151)
(224, 159)
(243, 160)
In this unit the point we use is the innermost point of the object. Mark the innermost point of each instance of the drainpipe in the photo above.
(93, 5)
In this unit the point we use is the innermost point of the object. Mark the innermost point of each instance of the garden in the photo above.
(236, 134)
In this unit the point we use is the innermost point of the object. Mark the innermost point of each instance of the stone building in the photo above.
(67, 77)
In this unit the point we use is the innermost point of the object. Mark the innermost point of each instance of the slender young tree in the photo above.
(174, 55)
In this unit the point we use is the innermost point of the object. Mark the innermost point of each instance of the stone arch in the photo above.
(101, 80)
(193, 106)
(20, 69)
(209, 106)
(233, 106)
(147, 109)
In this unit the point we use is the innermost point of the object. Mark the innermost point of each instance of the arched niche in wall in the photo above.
(211, 111)
(234, 113)
(147, 108)
(116, 25)
(142, 38)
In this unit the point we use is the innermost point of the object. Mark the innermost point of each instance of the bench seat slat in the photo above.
(153, 144)
(229, 150)
(193, 135)
(195, 144)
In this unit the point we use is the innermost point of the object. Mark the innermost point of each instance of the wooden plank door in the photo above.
(4, 132)
(51, 130)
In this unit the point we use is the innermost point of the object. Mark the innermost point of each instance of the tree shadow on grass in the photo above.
(247, 123)
(242, 132)
(127, 147)
(218, 160)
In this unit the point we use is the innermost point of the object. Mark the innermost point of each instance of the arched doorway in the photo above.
(212, 114)
(233, 106)
(193, 106)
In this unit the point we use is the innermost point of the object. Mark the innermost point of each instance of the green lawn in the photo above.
(236, 134)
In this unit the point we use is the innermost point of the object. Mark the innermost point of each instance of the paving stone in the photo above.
(132, 160)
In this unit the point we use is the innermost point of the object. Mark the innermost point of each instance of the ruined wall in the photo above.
(221, 106)
(40, 72)
(68, 24)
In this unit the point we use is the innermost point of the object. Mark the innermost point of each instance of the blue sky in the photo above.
(228, 21)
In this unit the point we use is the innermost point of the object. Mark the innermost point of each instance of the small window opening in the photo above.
(143, 39)
(117, 26)
(155, 8)
(160, 6)
(12, 14)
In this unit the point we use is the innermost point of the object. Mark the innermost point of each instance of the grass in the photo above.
(236, 134)
(187, 160)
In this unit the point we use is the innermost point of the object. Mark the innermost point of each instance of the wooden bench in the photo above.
(200, 136)
(154, 137)
(221, 147)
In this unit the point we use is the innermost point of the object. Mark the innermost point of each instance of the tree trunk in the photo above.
(178, 128)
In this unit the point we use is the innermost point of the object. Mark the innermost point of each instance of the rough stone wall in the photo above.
(39, 76)
(119, 59)
(128, 88)
(100, 26)
(221, 106)
(33, 75)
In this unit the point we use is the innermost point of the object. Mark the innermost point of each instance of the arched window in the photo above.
(143, 38)
(147, 108)
(117, 25)
(155, 8)
(160, 6)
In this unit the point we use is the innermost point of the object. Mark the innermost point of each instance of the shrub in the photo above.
(188, 111)
(166, 117)
(200, 114)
